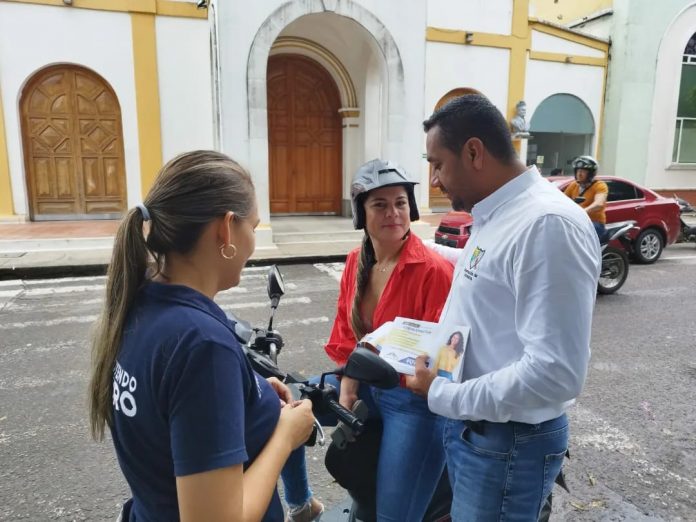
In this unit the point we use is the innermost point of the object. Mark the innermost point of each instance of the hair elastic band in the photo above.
(144, 212)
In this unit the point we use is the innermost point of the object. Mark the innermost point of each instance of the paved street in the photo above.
(633, 444)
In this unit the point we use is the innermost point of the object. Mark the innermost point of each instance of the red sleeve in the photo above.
(342, 340)
(436, 287)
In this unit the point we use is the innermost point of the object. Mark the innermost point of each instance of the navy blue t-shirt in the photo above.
(185, 399)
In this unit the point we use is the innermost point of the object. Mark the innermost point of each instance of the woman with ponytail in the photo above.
(198, 435)
(392, 274)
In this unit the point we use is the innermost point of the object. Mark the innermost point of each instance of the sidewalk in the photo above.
(56, 247)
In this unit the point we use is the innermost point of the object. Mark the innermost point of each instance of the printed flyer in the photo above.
(400, 341)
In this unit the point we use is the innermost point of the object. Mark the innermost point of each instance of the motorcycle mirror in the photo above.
(276, 287)
(579, 200)
(366, 366)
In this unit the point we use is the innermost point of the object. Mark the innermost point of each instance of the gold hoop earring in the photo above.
(222, 251)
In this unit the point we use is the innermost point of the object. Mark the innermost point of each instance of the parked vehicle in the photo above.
(688, 233)
(262, 349)
(657, 218)
(615, 259)
(352, 454)
(453, 230)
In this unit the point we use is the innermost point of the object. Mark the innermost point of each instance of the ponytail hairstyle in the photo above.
(365, 263)
(189, 192)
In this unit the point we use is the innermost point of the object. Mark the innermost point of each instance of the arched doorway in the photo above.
(304, 137)
(437, 200)
(73, 145)
(562, 129)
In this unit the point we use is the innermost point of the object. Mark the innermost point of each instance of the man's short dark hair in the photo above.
(473, 116)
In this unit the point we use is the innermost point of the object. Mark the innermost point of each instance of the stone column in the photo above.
(351, 153)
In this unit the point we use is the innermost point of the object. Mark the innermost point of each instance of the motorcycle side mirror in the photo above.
(579, 200)
(366, 366)
(276, 287)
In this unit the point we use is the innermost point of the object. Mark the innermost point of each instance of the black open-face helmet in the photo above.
(588, 163)
(377, 174)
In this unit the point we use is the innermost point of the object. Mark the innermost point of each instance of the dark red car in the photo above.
(454, 229)
(657, 217)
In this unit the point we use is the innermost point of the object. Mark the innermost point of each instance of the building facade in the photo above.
(301, 92)
(650, 120)
(93, 98)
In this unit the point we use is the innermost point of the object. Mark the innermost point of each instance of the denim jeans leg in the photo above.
(478, 469)
(411, 458)
(539, 453)
(506, 471)
(295, 480)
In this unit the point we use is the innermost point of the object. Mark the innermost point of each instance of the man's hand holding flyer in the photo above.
(400, 341)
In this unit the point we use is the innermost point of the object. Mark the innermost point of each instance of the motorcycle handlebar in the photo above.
(345, 416)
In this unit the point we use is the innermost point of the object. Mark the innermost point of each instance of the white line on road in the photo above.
(264, 304)
(11, 282)
(50, 322)
(304, 322)
(601, 435)
(39, 282)
(335, 270)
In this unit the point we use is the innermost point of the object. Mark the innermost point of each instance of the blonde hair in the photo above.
(189, 192)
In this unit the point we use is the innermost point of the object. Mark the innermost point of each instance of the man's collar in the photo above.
(485, 208)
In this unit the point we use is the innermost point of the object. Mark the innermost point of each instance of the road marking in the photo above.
(10, 293)
(46, 348)
(39, 282)
(303, 322)
(602, 435)
(11, 282)
(50, 322)
(265, 304)
(678, 258)
(335, 270)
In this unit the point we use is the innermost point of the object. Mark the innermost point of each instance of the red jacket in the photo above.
(417, 289)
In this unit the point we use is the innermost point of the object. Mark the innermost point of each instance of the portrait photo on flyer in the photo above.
(401, 341)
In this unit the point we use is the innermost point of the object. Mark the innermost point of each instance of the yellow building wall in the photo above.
(566, 11)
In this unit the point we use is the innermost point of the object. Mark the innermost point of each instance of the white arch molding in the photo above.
(660, 172)
(263, 46)
(328, 60)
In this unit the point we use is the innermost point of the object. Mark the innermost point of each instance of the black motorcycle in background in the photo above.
(688, 233)
(616, 246)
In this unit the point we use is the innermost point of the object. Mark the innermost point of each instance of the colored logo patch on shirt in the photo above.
(476, 257)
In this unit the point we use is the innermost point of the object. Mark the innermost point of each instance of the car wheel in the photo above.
(648, 246)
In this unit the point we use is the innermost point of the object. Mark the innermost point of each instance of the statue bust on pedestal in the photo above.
(518, 124)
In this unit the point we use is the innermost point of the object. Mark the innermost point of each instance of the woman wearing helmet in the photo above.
(589, 193)
(392, 274)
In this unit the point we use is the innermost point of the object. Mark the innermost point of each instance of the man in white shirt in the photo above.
(525, 283)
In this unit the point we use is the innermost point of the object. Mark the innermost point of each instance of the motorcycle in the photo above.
(687, 233)
(355, 436)
(351, 457)
(614, 259)
(615, 263)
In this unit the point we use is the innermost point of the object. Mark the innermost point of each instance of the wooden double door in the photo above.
(73, 146)
(305, 137)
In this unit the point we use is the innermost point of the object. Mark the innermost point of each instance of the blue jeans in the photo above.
(411, 458)
(601, 230)
(503, 471)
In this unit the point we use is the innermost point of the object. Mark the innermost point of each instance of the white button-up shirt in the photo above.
(526, 284)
